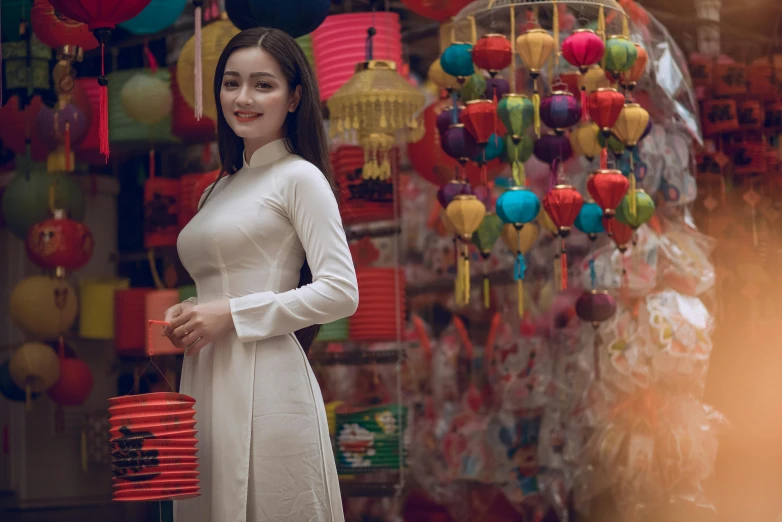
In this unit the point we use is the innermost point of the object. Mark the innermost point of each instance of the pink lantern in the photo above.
(340, 43)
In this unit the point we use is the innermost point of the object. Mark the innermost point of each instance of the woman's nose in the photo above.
(244, 99)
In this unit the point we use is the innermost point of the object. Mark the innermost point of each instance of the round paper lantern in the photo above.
(56, 30)
(604, 108)
(620, 54)
(74, 384)
(34, 367)
(631, 76)
(296, 17)
(214, 38)
(631, 124)
(595, 306)
(459, 143)
(60, 243)
(517, 113)
(551, 147)
(146, 98)
(441, 78)
(619, 232)
(518, 206)
(18, 124)
(26, 199)
(492, 52)
(643, 212)
(456, 60)
(155, 17)
(439, 11)
(43, 307)
(590, 220)
(559, 111)
(184, 124)
(583, 49)
(608, 189)
(64, 122)
(584, 140)
(8, 388)
(125, 129)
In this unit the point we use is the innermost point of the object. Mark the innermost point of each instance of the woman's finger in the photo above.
(183, 331)
(191, 337)
(180, 319)
(196, 347)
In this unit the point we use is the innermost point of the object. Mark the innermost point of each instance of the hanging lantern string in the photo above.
(151, 61)
(103, 126)
(198, 71)
(519, 268)
(151, 323)
(601, 31)
(633, 202)
(592, 273)
(398, 317)
(513, 55)
(368, 46)
(563, 261)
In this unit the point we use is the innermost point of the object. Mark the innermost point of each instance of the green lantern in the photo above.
(333, 331)
(305, 42)
(615, 145)
(635, 209)
(489, 231)
(30, 197)
(27, 69)
(620, 54)
(517, 152)
(474, 88)
(517, 114)
(122, 128)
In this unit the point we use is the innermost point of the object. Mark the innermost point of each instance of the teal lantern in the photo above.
(30, 197)
(590, 220)
(517, 114)
(474, 88)
(456, 60)
(517, 152)
(620, 54)
(484, 239)
(494, 149)
(635, 209)
(155, 17)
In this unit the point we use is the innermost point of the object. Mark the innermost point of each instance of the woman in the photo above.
(269, 222)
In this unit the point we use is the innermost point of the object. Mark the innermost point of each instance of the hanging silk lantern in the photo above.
(635, 209)
(436, 10)
(147, 98)
(60, 244)
(55, 30)
(450, 190)
(620, 233)
(590, 220)
(473, 88)
(544, 220)
(479, 117)
(493, 53)
(631, 124)
(448, 117)
(214, 38)
(441, 78)
(594, 79)
(535, 47)
(466, 213)
(156, 16)
(563, 203)
(630, 77)
(517, 113)
(608, 188)
(34, 367)
(583, 49)
(605, 105)
(101, 16)
(551, 148)
(456, 60)
(61, 129)
(620, 55)
(459, 143)
(496, 88)
(517, 152)
(560, 111)
(484, 239)
(296, 18)
(595, 306)
(584, 140)
(494, 148)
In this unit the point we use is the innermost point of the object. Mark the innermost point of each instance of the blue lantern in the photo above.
(456, 60)
(518, 206)
(494, 149)
(155, 17)
(590, 220)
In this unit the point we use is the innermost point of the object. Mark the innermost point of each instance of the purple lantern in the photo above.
(459, 144)
(446, 118)
(483, 193)
(450, 190)
(647, 130)
(560, 111)
(595, 306)
(552, 147)
(52, 125)
(496, 88)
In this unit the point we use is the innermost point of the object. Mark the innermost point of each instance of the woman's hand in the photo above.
(171, 314)
(201, 324)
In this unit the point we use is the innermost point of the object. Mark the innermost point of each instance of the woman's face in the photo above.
(255, 97)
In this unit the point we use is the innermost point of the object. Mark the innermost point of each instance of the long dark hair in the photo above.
(304, 131)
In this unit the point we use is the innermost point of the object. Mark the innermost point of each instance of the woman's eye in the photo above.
(230, 83)
(264, 85)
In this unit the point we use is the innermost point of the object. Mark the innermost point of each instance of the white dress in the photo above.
(264, 448)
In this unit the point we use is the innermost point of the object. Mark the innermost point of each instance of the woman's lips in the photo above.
(246, 117)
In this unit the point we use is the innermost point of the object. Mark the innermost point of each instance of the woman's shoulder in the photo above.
(297, 171)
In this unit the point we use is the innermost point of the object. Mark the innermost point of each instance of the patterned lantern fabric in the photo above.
(370, 439)
(153, 443)
(363, 200)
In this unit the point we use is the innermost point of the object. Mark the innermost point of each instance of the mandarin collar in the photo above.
(268, 154)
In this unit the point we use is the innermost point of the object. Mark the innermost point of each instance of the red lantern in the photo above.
(377, 314)
(193, 187)
(760, 77)
(161, 212)
(440, 10)
(492, 52)
(583, 49)
(562, 204)
(479, 117)
(607, 188)
(621, 234)
(729, 79)
(605, 104)
(719, 116)
(57, 30)
(18, 125)
(101, 16)
(60, 243)
(363, 200)
(750, 114)
(74, 384)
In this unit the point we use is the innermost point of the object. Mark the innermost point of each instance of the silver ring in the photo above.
(186, 332)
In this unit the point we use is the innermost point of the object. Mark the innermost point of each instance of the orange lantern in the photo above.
(719, 116)
(60, 243)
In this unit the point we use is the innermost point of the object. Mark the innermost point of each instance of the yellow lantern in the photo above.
(214, 38)
(96, 316)
(520, 240)
(147, 98)
(43, 307)
(465, 212)
(373, 106)
(584, 140)
(441, 78)
(535, 48)
(34, 367)
(546, 222)
(595, 78)
(629, 128)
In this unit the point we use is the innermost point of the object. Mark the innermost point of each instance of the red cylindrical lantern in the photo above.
(161, 212)
(18, 125)
(364, 200)
(583, 49)
(60, 243)
(719, 116)
(376, 318)
(760, 77)
(607, 188)
(130, 330)
(54, 29)
(605, 104)
(492, 52)
(750, 114)
(562, 204)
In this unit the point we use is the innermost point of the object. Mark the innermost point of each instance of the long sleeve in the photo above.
(309, 204)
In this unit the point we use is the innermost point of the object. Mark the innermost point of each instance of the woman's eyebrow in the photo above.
(252, 75)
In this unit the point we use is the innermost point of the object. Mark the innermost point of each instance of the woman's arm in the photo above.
(333, 294)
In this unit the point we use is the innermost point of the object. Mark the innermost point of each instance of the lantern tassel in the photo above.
(519, 267)
(486, 292)
(84, 451)
(199, 68)
(103, 126)
(563, 262)
(604, 158)
(555, 30)
(536, 105)
(584, 104)
(633, 202)
(601, 31)
(68, 164)
(466, 275)
(457, 290)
